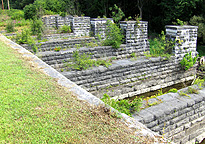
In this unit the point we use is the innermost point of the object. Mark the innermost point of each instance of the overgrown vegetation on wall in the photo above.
(113, 35)
(124, 106)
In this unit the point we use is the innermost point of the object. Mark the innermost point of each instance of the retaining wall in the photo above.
(127, 78)
(63, 43)
(179, 118)
(57, 59)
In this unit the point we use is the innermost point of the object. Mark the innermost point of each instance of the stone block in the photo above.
(147, 116)
(183, 122)
(177, 119)
(152, 124)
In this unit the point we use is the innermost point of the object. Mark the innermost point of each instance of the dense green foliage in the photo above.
(188, 61)
(123, 106)
(10, 27)
(200, 22)
(167, 11)
(25, 38)
(161, 46)
(113, 35)
(65, 29)
(37, 27)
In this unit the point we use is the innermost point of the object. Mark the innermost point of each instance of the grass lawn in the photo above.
(35, 109)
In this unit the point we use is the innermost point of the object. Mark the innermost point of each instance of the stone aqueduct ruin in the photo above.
(178, 118)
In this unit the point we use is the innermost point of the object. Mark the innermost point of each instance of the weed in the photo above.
(65, 29)
(192, 90)
(10, 27)
(57, 49)
(113, 35)
(123, 106)
(199, 82)
(188, 61)
(181, 93)
(179, 22)
(133, 55)
(161, 46)
(91, 44)
(173, 90)
(84, 61)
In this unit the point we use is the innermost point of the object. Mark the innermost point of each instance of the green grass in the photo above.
(35, 109)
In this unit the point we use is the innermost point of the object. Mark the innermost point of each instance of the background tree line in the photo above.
(157, 12)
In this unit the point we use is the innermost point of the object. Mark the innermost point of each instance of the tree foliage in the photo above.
(157, 12)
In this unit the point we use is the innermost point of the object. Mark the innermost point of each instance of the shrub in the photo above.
(10, 27)
(117, 13)
(123, 106)
(30, 11)
(23, 22)
(16, 14)
(188, 61)
(25, 38)
(113, 35)
(65, 29)
(37, 27)
(200, 22)
(161, 45)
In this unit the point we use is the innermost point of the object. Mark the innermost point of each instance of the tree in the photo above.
(140, 4)
(2, 4)
(8, 5)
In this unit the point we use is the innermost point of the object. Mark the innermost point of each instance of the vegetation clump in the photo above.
(25, 38)
(123, 106)
(84, 61)
(37, 27)
(161, 46)
(188, 61)
(65, 29)
(113, 35)
(10, 27)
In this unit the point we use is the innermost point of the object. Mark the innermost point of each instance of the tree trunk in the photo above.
(8, 5)
(2, 4)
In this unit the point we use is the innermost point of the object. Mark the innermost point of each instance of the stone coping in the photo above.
(80, 93)
(181, 27)
(125, 22)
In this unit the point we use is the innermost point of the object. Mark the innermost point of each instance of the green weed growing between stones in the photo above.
(123, 106)
(113, 35)
(84, 61)
(161, 46)
(188, 61)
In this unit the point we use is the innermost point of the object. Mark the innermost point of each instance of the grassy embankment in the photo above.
(35, 109)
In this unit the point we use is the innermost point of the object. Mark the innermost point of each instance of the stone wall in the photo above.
(98, 26)
(136, 34)
(64, 44)
(56, 21)
(186, 37)
(128, 78)
(81, 26)
(179, 118)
